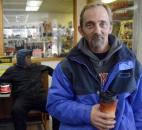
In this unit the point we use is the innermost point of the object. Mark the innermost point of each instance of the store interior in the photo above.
(47, 31)
(51, 31)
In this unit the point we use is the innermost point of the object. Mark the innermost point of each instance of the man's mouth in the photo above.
(97, 37)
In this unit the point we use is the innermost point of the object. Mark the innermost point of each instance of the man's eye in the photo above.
(89, 26)
(103, 24)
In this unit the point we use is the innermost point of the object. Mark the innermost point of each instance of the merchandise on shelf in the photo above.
(121, 4)
(123, 11)
(125, 32)
(123, 15)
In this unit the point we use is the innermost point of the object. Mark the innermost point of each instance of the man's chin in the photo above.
(98, 46)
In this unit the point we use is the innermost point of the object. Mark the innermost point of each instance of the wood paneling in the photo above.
(75, 21)
(1, 28)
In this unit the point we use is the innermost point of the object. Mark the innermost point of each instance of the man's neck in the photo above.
(101, 49)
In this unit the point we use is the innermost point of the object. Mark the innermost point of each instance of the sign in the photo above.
(5, 62)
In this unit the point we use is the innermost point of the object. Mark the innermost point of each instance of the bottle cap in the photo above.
(106, 97)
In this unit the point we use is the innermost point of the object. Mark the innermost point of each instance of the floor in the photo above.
(9, 126)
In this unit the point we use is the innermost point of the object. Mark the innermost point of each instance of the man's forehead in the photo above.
(98, 13)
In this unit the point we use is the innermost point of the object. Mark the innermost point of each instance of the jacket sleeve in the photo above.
(61, 101)
(136, 97)
(137, 105)
(48, 69)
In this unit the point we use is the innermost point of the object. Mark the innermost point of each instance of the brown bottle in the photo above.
(108, 102)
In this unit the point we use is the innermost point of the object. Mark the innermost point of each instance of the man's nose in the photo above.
(97, 29)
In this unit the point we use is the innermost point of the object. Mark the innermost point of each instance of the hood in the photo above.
(114, 42)
(21, 54)
(117, 47)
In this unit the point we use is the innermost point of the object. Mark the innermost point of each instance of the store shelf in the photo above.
(125, 32)
(119, 5)
(123, 15)
(122, 10)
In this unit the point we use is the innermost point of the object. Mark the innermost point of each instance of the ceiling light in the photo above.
(34, 3)
(108, 1)
(29, 8)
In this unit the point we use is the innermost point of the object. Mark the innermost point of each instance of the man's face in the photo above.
(96, 28)
(28, 60)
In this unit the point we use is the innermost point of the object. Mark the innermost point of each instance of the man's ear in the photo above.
(110, 29)
(80, 31)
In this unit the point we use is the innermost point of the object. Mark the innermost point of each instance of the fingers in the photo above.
(106, 121)
(106, 116)
(103, 121)
(105, 124)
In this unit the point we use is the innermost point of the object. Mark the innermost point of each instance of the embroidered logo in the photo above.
(103, 77)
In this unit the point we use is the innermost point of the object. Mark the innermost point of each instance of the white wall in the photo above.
(50, 63)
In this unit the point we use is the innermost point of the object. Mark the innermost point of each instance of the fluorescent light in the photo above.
(108, 1)
(34, 3)
(29, 8)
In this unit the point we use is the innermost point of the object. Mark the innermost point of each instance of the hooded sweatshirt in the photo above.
(102, 66)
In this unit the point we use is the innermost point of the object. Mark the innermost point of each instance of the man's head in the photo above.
(95, 26)
(24, 57)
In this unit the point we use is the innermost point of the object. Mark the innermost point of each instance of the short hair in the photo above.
(93, 5)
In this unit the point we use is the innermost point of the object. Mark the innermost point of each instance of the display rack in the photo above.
(125, 32)
(122, 4)
(123, 20)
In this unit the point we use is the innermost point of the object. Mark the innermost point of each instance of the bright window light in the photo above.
(29, 8)
(108, 1)
(34, 3)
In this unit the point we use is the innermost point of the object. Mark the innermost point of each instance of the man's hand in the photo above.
(102, 121)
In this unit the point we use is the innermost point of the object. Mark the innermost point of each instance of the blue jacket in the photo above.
(75, 89)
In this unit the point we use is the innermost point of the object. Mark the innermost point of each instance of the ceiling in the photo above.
(15, 14)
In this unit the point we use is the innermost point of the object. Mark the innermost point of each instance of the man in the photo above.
(27, 90)
(100, 63)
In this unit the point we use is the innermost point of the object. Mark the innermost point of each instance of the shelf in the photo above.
(119, 5)
(36, 59)
(128, 40)
(123, 12)
(123, 15)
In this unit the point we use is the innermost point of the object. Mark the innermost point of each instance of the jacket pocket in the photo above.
(126, 124)
(124, 82)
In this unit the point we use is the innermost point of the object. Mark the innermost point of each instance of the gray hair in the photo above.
(93, 5)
